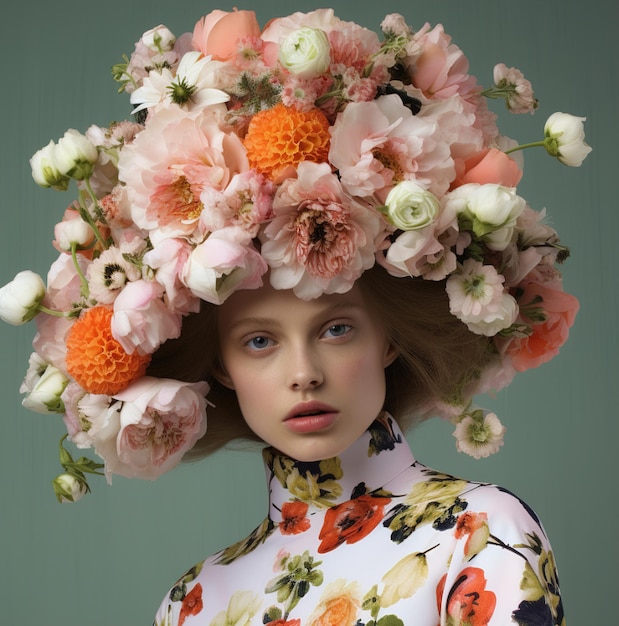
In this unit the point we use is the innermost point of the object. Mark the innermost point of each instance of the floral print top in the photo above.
(374, 538)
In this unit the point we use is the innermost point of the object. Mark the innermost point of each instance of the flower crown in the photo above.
(310, 149)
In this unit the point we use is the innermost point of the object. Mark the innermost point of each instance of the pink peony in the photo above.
(319, 241)
(141, 319)
(377, 144)
(217, 33)
(558, 310)
(171, 162)
(160, 420)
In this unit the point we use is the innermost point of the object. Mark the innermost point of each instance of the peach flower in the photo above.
(559, 310)
(217, 33)
(489, 166)
(339, 605)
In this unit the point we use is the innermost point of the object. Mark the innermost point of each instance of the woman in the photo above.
(309, 161)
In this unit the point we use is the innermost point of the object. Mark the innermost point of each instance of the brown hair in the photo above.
(437, 355)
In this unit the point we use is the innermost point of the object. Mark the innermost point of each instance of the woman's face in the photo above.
(309, 375)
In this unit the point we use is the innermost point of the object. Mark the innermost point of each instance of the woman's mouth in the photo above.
(310, 417)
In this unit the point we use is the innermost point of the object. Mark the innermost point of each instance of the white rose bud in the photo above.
(159, 39)
(45, 171)
(75, 155)
(20, 299)
(69, 488)
(565, 138)
(410, 206)
(44, 385)
(305, 52)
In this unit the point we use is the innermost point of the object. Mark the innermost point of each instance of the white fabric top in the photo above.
(374, 538)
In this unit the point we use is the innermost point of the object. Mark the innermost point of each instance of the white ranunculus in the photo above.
(45, 171)
(479, 434)
(492, 210)
(305, 52)
(75, 155)
(43, 386)
(410, 206)
(565, 138)
(68, 488)
(20, 299)
(159, 39)
(74, 231)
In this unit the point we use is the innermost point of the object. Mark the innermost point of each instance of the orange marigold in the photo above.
(281, 137)
(97, 362)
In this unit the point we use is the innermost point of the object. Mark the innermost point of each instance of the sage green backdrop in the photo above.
(109, 559)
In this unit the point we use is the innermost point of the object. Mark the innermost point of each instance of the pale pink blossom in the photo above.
(518, 92)
(441, 70)
(167, 262)
(91, 419)
(246, 202)
(225, 262)
(319, 241)
(142, 321)
(160, 420)
(377, 144)
(109, 141)
(428, 251)
(171, 162)
(395, 24)
(477, 298)
(63, 291)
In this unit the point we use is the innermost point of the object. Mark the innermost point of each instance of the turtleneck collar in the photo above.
(370, 463)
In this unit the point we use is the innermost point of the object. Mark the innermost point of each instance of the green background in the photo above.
(109, 559)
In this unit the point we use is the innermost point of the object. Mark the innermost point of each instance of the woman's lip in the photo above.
(311, 423)
(308, 409)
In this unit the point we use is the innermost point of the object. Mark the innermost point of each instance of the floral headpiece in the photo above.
(310, 149)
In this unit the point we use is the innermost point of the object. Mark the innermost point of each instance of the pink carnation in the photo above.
(160, 420)
(319, 240)
(171, 162)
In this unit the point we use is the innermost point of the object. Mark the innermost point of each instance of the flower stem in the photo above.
(88, 218)
(522, 146)
(78, 269)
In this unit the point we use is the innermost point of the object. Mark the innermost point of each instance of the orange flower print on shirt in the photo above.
(294, 520)
(351, 521)
(468, 602)
(192, 604)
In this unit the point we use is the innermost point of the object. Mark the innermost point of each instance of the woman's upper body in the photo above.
(374, 537)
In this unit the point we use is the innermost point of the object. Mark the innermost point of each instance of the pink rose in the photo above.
(559, 310)
(142, 321)
(217, 33)
(489, 166)
(159, 421)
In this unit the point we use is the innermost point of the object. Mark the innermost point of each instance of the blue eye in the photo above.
(258, 343)
(338, 330)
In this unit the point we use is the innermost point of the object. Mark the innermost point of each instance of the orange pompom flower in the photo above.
(97, 362)
(282, 137)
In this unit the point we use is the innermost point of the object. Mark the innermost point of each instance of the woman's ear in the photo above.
(220, 374)
(391, 354)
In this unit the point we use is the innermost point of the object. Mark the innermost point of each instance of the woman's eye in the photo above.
(258, 343)
(338, 330)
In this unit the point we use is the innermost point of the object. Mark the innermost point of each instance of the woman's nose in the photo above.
(304, 371)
